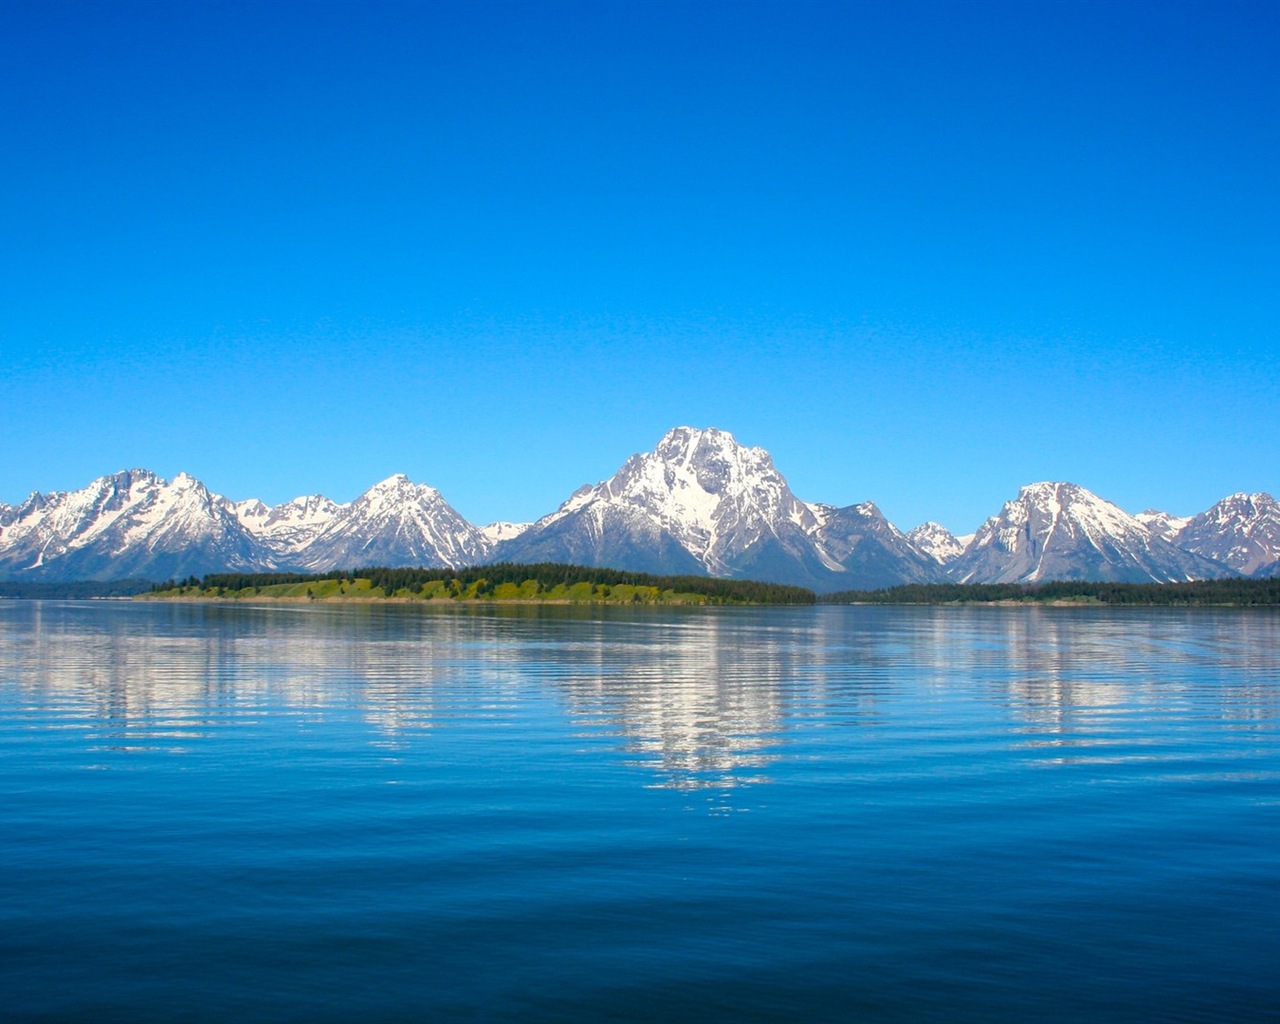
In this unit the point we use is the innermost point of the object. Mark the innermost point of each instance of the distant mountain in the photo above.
(870, 550)
(129, 524)
(1242, 531)
(1060, 531)
(935, 541)
(497, 532)
(290, 527)
(699, 503)
(1162, 524)
(134, 524)
(395, 522)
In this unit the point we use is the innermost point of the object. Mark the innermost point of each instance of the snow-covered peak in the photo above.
(135, 523)
(1243, 508)
(122, 524)
(399, 483)
(394, 494)
(936, 541)
(1242, 530)
(309, 508)
(289, 526)
(699, 501)
(250, 512)
(395, 522)
(497, 532)
(1053, 503)
(685, 444)
(1055, 530)
(1164, 525)
(713, 495)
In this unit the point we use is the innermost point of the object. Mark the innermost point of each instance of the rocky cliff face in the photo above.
(131, 523)
(936, 541)
(700, 502)
(1242, 531)
(1060, 531)
(135, 524)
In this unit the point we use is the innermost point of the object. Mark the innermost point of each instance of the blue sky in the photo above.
(922, 253)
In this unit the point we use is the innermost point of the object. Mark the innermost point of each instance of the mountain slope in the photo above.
(1060, 531)
(1242, 531)
(131, 523)
(935, 541)
(698, 503)
(291, 526)
(395, 523)
(1162, 524)
(135, 524)
(870, 551)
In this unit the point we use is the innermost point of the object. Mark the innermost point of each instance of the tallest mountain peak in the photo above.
(698, 502)
(683, 443)
(693, 435)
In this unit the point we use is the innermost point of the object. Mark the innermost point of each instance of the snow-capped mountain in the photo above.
(1242, 530)
(936, 541)
(131, 523)
(291, 526)
(135, 524)
(1060, 531)
(395, 522)
(870, 551)
(496, 533)
(1162, 524)
(700, 502)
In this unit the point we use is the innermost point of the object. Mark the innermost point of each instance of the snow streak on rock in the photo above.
(701, 502)
(1162, 524)
(396, 522)
(1060, 531)
(936, 541)
(131, 523)
(1242, 530)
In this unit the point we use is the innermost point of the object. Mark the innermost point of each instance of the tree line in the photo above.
(75, 591)
(498, 579)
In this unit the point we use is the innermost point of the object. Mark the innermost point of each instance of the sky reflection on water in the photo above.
(390, 813)
(696, 698)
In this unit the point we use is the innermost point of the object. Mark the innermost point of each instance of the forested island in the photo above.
(550, 583)
(556, 583)
(1199, 593)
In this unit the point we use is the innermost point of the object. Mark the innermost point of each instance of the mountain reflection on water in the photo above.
(697, 698)
(387, 813)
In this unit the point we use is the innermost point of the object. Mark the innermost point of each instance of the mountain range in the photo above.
(699, 503)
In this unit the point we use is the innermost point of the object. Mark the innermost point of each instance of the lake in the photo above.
(384, 813)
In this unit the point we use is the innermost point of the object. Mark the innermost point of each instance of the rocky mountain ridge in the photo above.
(1060, 531)
(698, 503)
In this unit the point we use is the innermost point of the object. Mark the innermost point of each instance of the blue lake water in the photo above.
(314, 813)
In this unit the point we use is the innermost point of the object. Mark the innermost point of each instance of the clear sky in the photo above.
(922, 253)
